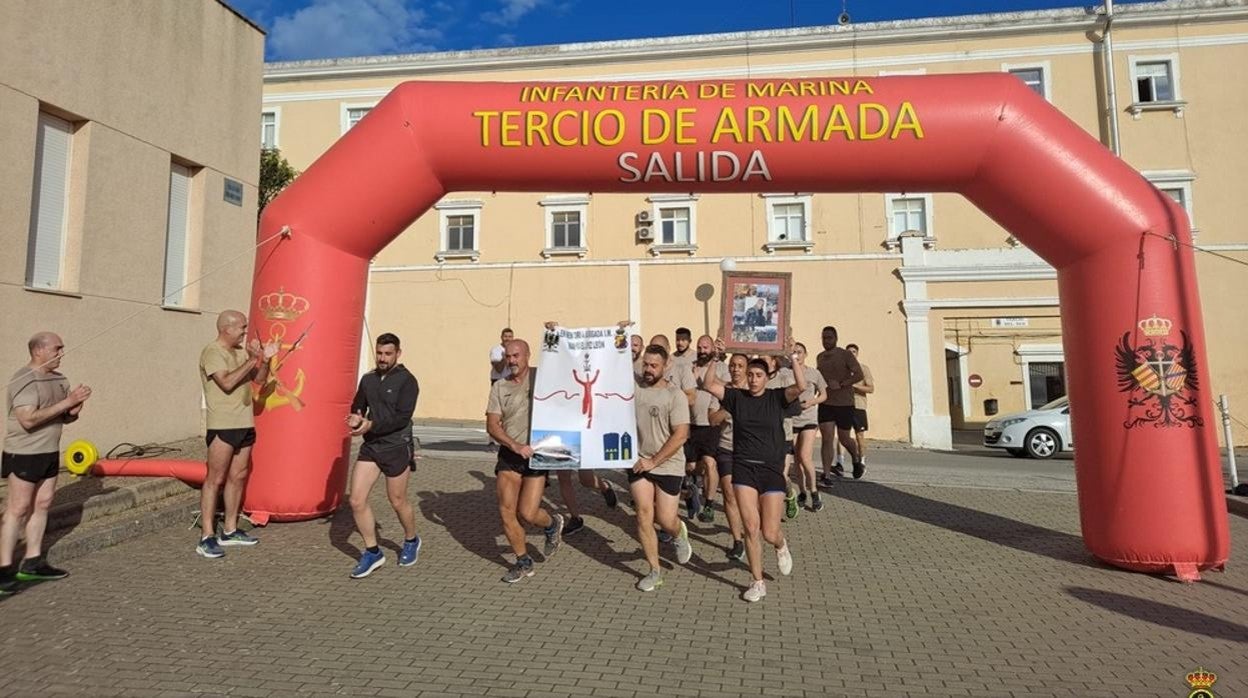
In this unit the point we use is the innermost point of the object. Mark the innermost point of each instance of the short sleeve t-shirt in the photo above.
(860, 400)
(810, 415)
(680, 376)
(510, 401)
(757, 425)
(30, 388)
(702, 400)
(659, 411)
(225, 410)
(837, 365)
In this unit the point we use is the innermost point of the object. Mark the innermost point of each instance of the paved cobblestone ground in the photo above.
(897, 590)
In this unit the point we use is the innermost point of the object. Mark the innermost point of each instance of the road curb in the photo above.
(106, 532)
(121, 499)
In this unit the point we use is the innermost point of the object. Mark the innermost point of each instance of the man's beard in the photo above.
(649, 380)
(704, 359)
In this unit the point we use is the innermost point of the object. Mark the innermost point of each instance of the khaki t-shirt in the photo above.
(659, 410)
(680, 375)
(510, 400)
(702, 400)
(836, 365)
(810, 415)
(860, 400)
(686, 358)
(225, 410)
(39, 390)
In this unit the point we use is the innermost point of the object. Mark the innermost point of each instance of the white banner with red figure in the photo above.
(583, 401)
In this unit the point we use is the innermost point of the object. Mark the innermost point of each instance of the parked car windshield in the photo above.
(1056, 404)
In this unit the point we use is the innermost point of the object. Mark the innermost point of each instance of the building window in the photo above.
(269, 121)
(1177, 184)
(1046, 382)
(909, 213)
(352, 113)
(1034, 75)
(788, 222)
(1155, 84)
(567, 220)
(49, 206)
(461, 229)
(673, 225)
(177, 236)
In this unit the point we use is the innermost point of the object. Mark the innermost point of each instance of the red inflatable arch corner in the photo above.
(1148, 469)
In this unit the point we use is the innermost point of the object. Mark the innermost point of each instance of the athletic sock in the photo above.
(411, 540)
(374, 549)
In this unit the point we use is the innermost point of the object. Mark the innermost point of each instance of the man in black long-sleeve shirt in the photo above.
(382, 412)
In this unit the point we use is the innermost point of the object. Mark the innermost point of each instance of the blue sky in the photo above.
(305, 29)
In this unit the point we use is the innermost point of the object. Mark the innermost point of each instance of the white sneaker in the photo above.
(684, 550)
(756, 592)
(651, 581)
(784, 558)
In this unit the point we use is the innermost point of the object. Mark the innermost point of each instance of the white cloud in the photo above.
(511, 11)
(338, 28)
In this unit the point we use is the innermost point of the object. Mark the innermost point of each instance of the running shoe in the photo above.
(790, 505)
(838, 470)
(684, 550)
(37, 569)
(738, 551)
(209, 548)
(410, 552)
(664, 536)
(826, 480)
(554, 535)
(608, 496)
(523, 568)
(756, 592)
(707, 515)
(574, 524)
(237, 537)
(368, 562)
(801, 499)
(651, 581)
(859, 469)
(784, 559)
(816, 503)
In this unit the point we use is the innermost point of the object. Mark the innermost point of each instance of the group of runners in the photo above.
(707, 422)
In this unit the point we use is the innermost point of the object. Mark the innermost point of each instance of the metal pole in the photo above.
(1111, 96)
(1230, 443)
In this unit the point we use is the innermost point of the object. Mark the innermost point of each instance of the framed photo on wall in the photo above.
(755, 311)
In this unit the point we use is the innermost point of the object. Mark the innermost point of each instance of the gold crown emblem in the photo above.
(282, 306)
(1156, 326)
(1201, 679)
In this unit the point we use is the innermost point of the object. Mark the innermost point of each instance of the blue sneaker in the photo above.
(237, 537)
(411, 551)
(368, 562)
(209, 548)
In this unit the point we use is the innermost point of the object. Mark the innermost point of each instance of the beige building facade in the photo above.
(952, 315)
(130, 169)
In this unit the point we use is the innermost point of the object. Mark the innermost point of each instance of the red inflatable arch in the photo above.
(1149, 478)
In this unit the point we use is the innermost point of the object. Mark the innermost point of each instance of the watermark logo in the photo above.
(1201, 682)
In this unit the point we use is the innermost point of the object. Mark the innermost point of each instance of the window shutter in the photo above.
(176, 234)
(49, 210)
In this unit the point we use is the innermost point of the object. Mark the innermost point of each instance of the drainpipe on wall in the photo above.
(1111, 96)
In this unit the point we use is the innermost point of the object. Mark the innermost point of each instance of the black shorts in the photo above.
(33, 468)
(723, 463)
(393, 460)
(860, 420)
(670, 484)
(511, 462)
(767, 479)
(702, 441)
(238, 439)
(804, 427)
(843, 415)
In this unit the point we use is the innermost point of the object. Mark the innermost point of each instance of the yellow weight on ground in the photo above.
(80, 456)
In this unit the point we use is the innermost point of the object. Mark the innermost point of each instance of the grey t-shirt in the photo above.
(31, 388)
(659, 411)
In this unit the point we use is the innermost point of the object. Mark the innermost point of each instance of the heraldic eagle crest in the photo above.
(1159, 377)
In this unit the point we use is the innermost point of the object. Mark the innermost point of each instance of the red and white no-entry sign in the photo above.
(975, 380)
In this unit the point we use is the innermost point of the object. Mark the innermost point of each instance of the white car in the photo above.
(1038, 433)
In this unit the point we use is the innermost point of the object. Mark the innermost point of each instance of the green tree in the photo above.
(275, 175)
